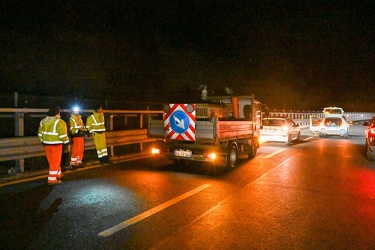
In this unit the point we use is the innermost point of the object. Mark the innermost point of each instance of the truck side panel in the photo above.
(234, 129)
(156, 128)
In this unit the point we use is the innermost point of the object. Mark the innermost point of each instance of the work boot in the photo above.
(72, 167)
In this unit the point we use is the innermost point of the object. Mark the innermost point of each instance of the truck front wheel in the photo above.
(232, 156)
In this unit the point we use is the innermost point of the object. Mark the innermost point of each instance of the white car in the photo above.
(333, 123)
(338, 126)
(279, 129)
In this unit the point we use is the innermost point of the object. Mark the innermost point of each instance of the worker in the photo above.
(53, 134)
(204, 93)
(77, 132)
(95, 124)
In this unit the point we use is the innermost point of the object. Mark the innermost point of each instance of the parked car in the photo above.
(370, 139)
(338, 126)
(279, 129)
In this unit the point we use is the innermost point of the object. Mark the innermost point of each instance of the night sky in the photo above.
(290, 54)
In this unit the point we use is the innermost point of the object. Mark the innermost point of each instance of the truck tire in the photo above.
(232, 156)
(253, 150)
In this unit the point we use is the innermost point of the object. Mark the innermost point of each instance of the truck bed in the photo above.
(221, 129)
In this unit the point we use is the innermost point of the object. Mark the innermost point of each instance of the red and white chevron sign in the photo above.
(179, 122)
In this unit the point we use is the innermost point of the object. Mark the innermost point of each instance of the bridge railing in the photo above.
(124, 127)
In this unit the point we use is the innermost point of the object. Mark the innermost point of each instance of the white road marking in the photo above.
(163, 242)
(275, 153)
(150, 212)
(308, 138)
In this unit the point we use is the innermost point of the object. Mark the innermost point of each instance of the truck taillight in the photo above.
(155, 151)
(211, 156)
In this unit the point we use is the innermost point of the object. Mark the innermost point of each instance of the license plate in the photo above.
(183, 153)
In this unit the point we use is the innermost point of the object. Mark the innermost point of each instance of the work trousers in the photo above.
(78, 147)
(100, 144)
(53, 153)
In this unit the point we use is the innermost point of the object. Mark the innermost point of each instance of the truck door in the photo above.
(315, 124)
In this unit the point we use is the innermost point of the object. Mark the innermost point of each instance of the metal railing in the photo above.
(124, 127)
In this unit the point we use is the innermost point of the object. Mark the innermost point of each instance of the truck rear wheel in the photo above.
(232, 156)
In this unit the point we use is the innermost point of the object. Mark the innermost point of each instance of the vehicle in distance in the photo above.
(333, 123)
(334, 126)
(370, 139)
(278, 129)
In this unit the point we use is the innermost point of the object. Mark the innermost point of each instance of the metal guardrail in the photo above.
(20, 148)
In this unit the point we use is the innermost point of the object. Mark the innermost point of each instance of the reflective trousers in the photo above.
(100, 144)
(78, 147)
(53, 153)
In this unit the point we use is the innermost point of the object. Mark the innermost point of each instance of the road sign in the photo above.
(179, 122)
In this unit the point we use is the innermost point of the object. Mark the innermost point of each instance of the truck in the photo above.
(216, 132)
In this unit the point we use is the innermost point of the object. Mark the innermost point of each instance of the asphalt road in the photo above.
(318, 193)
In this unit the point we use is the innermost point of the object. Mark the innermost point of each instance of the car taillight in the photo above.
(372, 130)
(285, 128)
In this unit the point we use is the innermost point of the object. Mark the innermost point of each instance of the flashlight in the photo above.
(75, 109)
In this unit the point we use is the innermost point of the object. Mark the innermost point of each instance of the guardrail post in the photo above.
(141, 126)
(19, 131)
(111, 148)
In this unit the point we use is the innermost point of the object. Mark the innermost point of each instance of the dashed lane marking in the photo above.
(275, 153)
(150, 212)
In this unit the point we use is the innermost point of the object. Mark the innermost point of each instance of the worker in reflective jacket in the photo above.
(95, 125)
(53, 134)
(77, 134)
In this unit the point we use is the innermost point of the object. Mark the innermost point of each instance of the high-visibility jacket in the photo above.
(95, 122)
(76, 126)
(53, 130)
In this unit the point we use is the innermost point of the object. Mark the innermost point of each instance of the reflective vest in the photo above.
(53, 130)
(76, 124)
(95, 122)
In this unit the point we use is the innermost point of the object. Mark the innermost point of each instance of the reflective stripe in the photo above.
(49, 133)
(54, 142)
